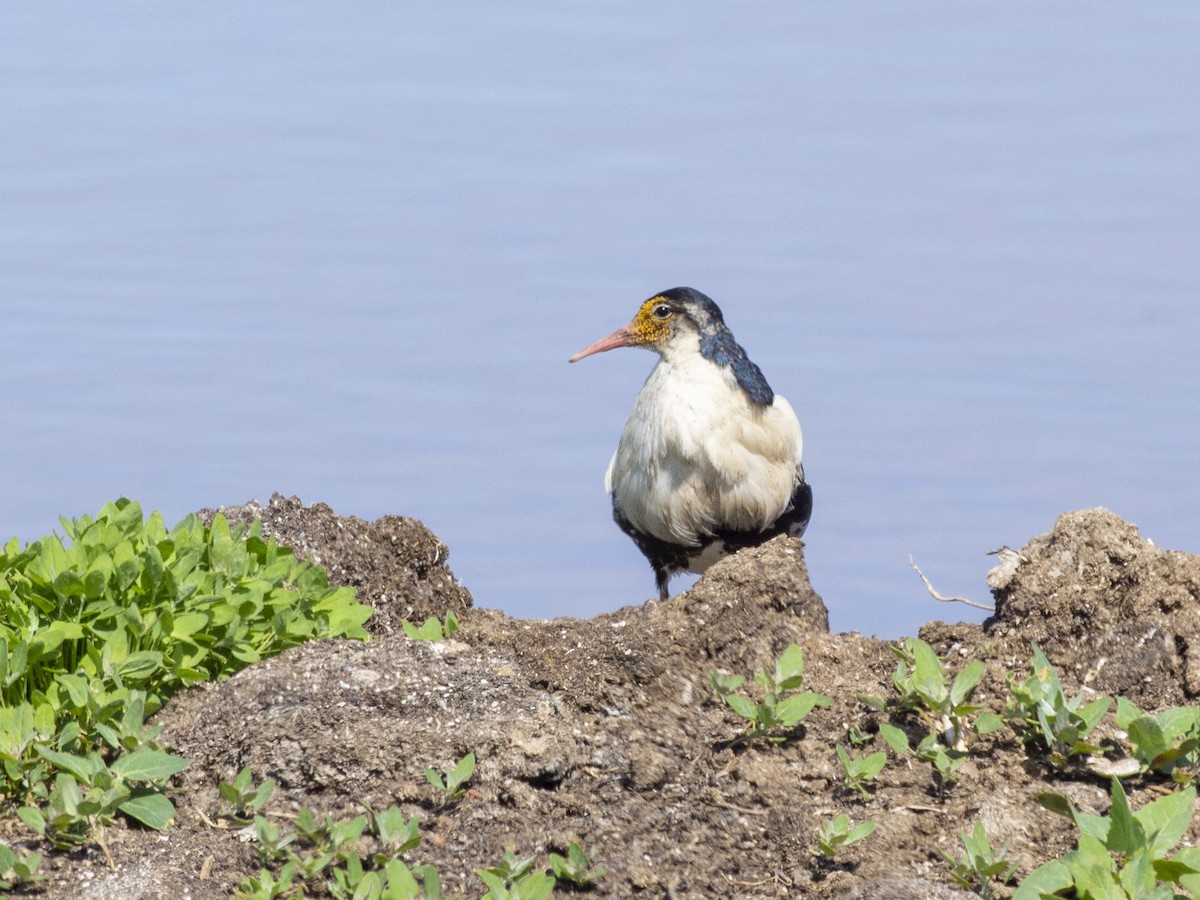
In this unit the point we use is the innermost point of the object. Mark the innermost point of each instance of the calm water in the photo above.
(344, 252)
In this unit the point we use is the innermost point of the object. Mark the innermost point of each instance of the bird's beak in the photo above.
(622, 337)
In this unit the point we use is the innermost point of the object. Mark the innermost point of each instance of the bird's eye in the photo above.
(662, 311)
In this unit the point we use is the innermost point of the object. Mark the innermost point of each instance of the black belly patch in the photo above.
(669, 559)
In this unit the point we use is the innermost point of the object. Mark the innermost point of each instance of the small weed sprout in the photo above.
(942, 706)
(17, 870)
(1166, 743)
(925, 689)
(1040, 714)
(1125, 854)
(575, 868)
(980, 865)
(860, 769)
(244, 800)
(451, 785)
(782, 707)
(433, 629)
(836, 834)
(946, 761)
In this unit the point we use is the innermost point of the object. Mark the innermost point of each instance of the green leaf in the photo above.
(790, 664)
(858, 832)
(870, 701)
(1056, 803)
(534, 886)
(430, 631)
(1126, 713)
(82, 767)
(793, 709)
(150, 808)
(1045, 881)
(139, 666)
(187, 624)
(1166, 820)
(1138, 877)
(743, 706)
(894, 738)
(1190, 857)
(462, 772)
(929, 675)
(1125, 835)
(33, 818)
(148, 765)
(966, 682)
(988, 722)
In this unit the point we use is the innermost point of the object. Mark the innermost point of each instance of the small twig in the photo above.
(937, 596)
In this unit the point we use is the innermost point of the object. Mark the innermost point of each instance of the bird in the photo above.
(709, 461)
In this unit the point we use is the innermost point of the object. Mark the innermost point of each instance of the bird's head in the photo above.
(662, 319)
(682, 321)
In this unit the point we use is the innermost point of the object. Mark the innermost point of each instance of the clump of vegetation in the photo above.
(513, 879)
(1042, 716)
(100, 627)
(782, 706)
(362, 856)
(333, 854)
(1125, 854)
(941, 706)
(924, 688)
(980, 865)
(18, 870)
(1166, 743)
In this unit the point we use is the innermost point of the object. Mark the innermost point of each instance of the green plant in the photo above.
(1040, 714)
(1125, 854)
(1167, 742)
(782, 706)
(980, 865)
(945, 760)
(432, 629)
(860, 769)
(513, 879)
(17, 870)
(575, 868)
(99, 628)
(924, 687)
(355, 857)
(88, 793)
(244, 799)
(451, 785)
(836, 833)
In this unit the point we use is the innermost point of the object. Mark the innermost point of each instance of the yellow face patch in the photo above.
(652, 323)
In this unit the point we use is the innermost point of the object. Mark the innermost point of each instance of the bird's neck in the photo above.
(720, 349)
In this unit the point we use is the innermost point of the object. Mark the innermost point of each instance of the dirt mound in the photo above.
(606, 732)
(396, 564)
(1122, 612)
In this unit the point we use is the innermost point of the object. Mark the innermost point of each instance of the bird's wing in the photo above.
(608, 475)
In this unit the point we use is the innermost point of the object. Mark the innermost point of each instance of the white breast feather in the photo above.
(697, 455)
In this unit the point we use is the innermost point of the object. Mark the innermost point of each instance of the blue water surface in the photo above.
(344, 251)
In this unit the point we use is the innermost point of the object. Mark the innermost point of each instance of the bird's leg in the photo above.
(661, 578)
